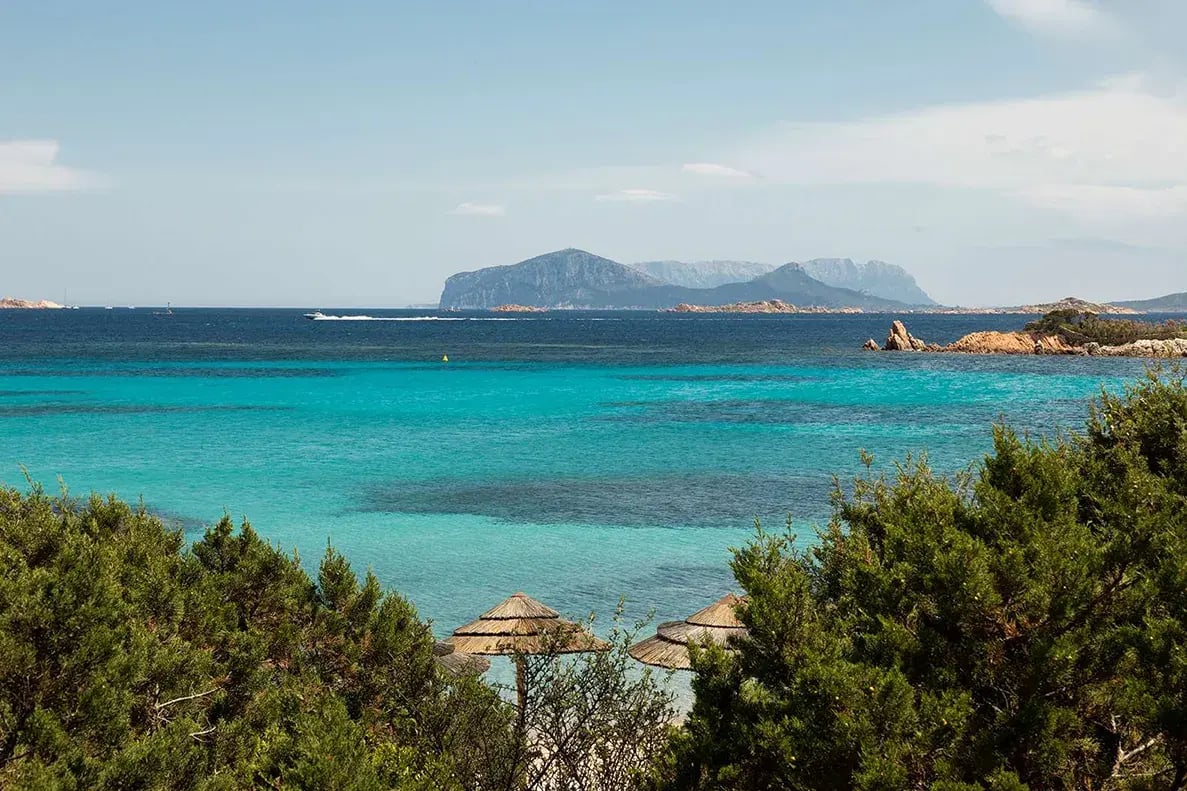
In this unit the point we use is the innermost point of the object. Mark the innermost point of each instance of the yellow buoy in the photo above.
(445, 358)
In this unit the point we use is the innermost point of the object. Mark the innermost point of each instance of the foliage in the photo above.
(1021, 627)
(594, 721)
(127, 661)
(1080, 328)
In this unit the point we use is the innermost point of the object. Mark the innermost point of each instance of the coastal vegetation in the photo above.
(1023, 626)
(131, 661)
(1080, 328)
(1019, 626)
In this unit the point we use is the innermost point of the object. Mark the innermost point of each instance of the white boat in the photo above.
(317, 314)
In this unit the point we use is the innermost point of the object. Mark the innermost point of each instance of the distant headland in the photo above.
(576, 279)
(12, 303)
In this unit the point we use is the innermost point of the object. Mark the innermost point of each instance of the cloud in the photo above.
(1068, 18)
(479, 210)
(1117, 146)
(636, 196)
(714, 169)
(31, 166)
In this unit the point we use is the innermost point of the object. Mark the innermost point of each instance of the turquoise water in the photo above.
(577, 460)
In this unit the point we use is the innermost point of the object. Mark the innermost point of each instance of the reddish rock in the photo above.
(900, 340)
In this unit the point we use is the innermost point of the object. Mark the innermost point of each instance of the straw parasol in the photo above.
(520, 626)
(668, 648)
(457, 663)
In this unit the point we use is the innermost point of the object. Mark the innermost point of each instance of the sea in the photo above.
(580, 457)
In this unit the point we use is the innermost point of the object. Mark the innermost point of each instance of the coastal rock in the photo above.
(871, 346)
(14, 303)
(517, 309)
(1012, 343)
(1173, 347)
(758, 306)
(900, 340)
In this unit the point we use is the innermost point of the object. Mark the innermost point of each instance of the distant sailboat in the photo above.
(168, 311)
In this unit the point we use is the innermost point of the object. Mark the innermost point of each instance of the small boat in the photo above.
(317, 314)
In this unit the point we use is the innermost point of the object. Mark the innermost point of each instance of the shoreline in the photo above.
(1029, 342)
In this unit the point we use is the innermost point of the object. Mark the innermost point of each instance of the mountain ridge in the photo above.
(879, 278)
(704, 274)
(1168, 303)
(578, 279)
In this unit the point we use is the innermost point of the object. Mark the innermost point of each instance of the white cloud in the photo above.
(31, 166)
(714, 169)
(479, 210)
(636, 196)
(1072, 18)
(1118, 145)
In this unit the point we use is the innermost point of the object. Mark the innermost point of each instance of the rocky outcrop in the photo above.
(900, 340)
(517, 309)
(1173, 347)
(14, 303)
(871, 346)
(1012, 343)
(760, 306)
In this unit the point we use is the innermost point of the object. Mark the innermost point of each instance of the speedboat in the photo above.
(317, 314)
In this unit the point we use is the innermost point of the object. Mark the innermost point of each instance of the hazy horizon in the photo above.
(1001, 151)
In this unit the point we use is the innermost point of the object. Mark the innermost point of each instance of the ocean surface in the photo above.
(578, 457)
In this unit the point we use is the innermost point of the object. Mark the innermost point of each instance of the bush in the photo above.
(1024, 626)
(1079, 328)
(127, 661)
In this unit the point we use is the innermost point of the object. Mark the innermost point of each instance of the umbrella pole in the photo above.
(521, 686)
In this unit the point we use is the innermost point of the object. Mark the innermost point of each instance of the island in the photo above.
(512, 308)
(12, 303)
(760, 306)
(1064, 331)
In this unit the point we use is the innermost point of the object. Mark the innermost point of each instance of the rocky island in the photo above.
(1066, 331)
(12, 303)
(759, 306)
(517, 309)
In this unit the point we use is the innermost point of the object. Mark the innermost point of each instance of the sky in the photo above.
(357, 153)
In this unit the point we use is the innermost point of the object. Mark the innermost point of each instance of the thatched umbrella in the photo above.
(457, 663)
(520, 626)
(668, 648)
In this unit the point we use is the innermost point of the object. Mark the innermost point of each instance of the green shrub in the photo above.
(1021, 627)
(1081, 328)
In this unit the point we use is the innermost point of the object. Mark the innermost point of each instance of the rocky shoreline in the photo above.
(901, 340)
(517, 309)
(760, 306)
